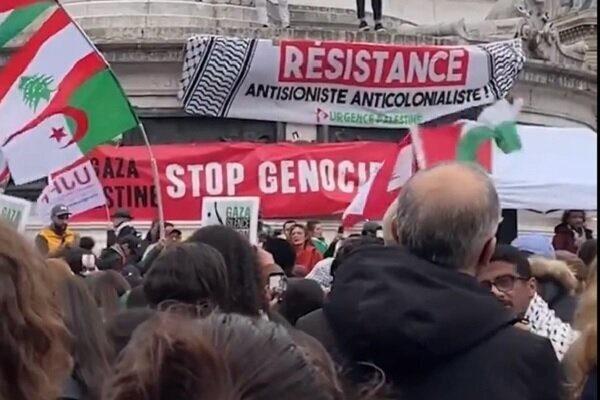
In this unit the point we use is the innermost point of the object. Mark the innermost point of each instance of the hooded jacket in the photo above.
(556, 284)
(436, 333)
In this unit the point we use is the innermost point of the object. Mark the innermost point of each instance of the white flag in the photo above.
(76, 186)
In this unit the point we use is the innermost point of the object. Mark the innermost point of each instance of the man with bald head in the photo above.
(415, 310)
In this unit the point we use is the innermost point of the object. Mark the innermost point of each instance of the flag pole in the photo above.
(155, 181)
(153, 165)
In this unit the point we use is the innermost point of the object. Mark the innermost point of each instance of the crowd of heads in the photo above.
(216, 317)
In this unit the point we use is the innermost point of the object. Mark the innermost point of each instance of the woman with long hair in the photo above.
(107, 287)
(34, 342)
(582, 359)
(243, 271)
(92, 351)
(307, 255)
(222, 356)
(189, 273)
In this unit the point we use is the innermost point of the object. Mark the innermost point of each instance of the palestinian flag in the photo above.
(495, 131)
(17, 15)
(62, 99)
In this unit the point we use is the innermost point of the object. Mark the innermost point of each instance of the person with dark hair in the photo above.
(302, 297)
(510, 278)
(555, 281)
(306, 254)
(123, 227)
(243, 272)
(189, 273)
(57, 235)
(283, 254)
(315, 231)
(370, 228)
(588, 251)
(125, 251)
(221, 356)
(287, 228)
(73, 257)
(136, 298)
(571, 233)
(35, 358)
(107, 287)
(121, 326)
(417, 311)
(87, 243)
(152, 243)
(92, 352)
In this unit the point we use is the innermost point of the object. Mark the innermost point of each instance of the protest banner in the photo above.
(239, 213)
(286, 177)
(14, 211)
(76, 186)
(339, 83)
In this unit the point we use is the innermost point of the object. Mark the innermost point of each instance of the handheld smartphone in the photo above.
(340, 230)
(277, 284)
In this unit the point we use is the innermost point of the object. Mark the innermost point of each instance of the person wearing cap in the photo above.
(121, 220)
(57, 235)
(370, 228)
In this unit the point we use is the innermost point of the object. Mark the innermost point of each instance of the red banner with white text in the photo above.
(291, 180)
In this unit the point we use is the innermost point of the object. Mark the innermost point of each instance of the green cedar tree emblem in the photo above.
(36, 88)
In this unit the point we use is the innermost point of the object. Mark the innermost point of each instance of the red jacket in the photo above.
(308, 256)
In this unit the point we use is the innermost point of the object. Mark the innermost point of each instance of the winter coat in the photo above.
(436, 333)
(556, 283)
(564, 238)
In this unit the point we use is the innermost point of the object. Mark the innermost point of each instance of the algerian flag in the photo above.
(17, 15)
(62, 100)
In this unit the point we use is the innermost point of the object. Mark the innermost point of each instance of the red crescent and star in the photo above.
(58, 134)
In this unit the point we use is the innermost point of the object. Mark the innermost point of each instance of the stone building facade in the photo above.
(143, 41)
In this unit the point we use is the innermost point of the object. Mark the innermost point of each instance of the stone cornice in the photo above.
(544, 73)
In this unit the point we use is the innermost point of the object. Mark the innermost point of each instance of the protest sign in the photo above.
(239, 213)
(76, 186)
(344, 84)
(14, 211)
(285, 176)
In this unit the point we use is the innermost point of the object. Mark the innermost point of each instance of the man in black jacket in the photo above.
(416, 310)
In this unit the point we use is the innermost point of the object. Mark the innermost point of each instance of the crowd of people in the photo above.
(435, 309)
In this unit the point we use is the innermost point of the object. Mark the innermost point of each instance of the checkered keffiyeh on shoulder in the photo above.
(321, 273)
(545, 323)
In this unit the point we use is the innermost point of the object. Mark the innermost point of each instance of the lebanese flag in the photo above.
(62, 99)
(383, 186)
